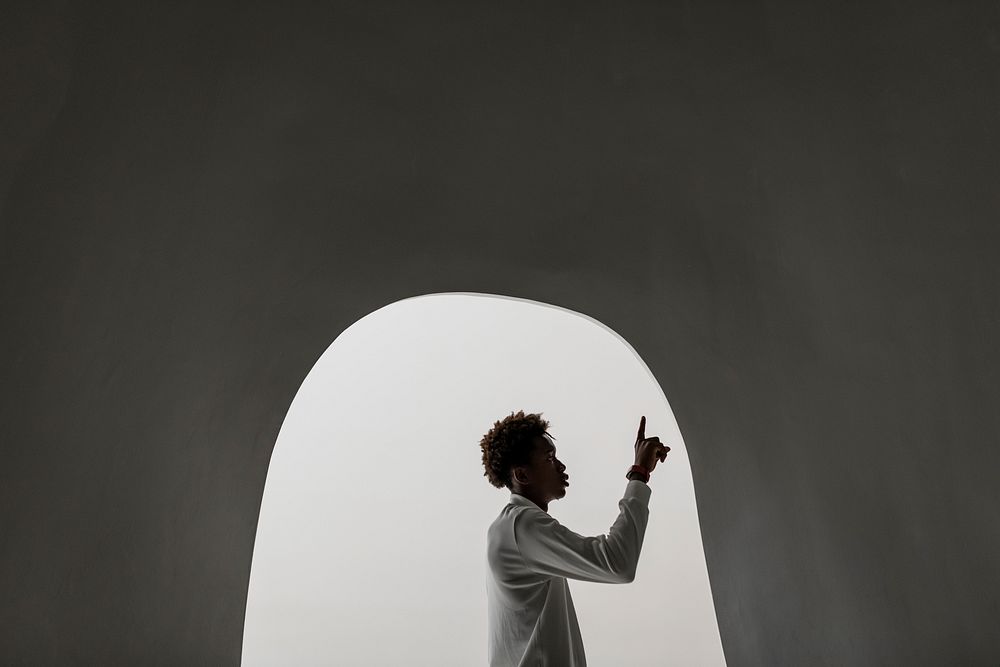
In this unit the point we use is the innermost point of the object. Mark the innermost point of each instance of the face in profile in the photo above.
(548, 473)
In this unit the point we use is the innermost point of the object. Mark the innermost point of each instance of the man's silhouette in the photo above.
(531, 555)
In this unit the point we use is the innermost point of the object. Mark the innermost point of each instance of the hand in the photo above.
(648, 450)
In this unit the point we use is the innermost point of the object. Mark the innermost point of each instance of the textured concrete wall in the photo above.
(790, 212)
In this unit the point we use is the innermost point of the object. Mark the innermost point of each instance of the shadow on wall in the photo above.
(371, 542)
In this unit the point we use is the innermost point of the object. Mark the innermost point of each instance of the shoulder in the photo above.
(532, 518)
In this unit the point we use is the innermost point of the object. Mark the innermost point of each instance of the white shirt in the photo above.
(532, 622)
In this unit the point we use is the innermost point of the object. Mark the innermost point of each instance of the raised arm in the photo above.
(550, 548)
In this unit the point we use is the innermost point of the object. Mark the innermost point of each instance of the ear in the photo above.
(519, 474)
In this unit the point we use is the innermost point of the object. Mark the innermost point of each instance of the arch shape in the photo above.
(370, 545)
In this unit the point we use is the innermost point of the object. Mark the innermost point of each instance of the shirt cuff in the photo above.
(638, 489)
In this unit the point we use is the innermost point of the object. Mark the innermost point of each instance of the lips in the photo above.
(566, 481)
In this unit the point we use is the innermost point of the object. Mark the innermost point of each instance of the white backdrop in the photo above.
(371, 542)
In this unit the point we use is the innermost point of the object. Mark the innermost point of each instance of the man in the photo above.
(532, 622)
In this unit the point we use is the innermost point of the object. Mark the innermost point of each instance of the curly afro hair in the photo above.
(510, 443)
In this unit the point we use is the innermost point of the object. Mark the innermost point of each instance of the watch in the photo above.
(640, 471)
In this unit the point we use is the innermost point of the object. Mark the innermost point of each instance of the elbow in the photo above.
(623, 571)
(626, 576)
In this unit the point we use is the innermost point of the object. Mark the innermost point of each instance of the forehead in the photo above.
(544, 444)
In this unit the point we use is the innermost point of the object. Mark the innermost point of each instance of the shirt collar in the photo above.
(518, 499)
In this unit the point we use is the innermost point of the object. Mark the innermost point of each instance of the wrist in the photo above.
(639, 472)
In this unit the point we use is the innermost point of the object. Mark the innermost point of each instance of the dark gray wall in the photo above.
(790, 211)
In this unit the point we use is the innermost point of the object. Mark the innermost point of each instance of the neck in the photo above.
(533, 496)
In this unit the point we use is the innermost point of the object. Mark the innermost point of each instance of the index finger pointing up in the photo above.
(642, 430)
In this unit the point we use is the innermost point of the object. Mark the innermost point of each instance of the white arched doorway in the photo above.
(370, 546)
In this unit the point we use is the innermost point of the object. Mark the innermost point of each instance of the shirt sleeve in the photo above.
(550, 548)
